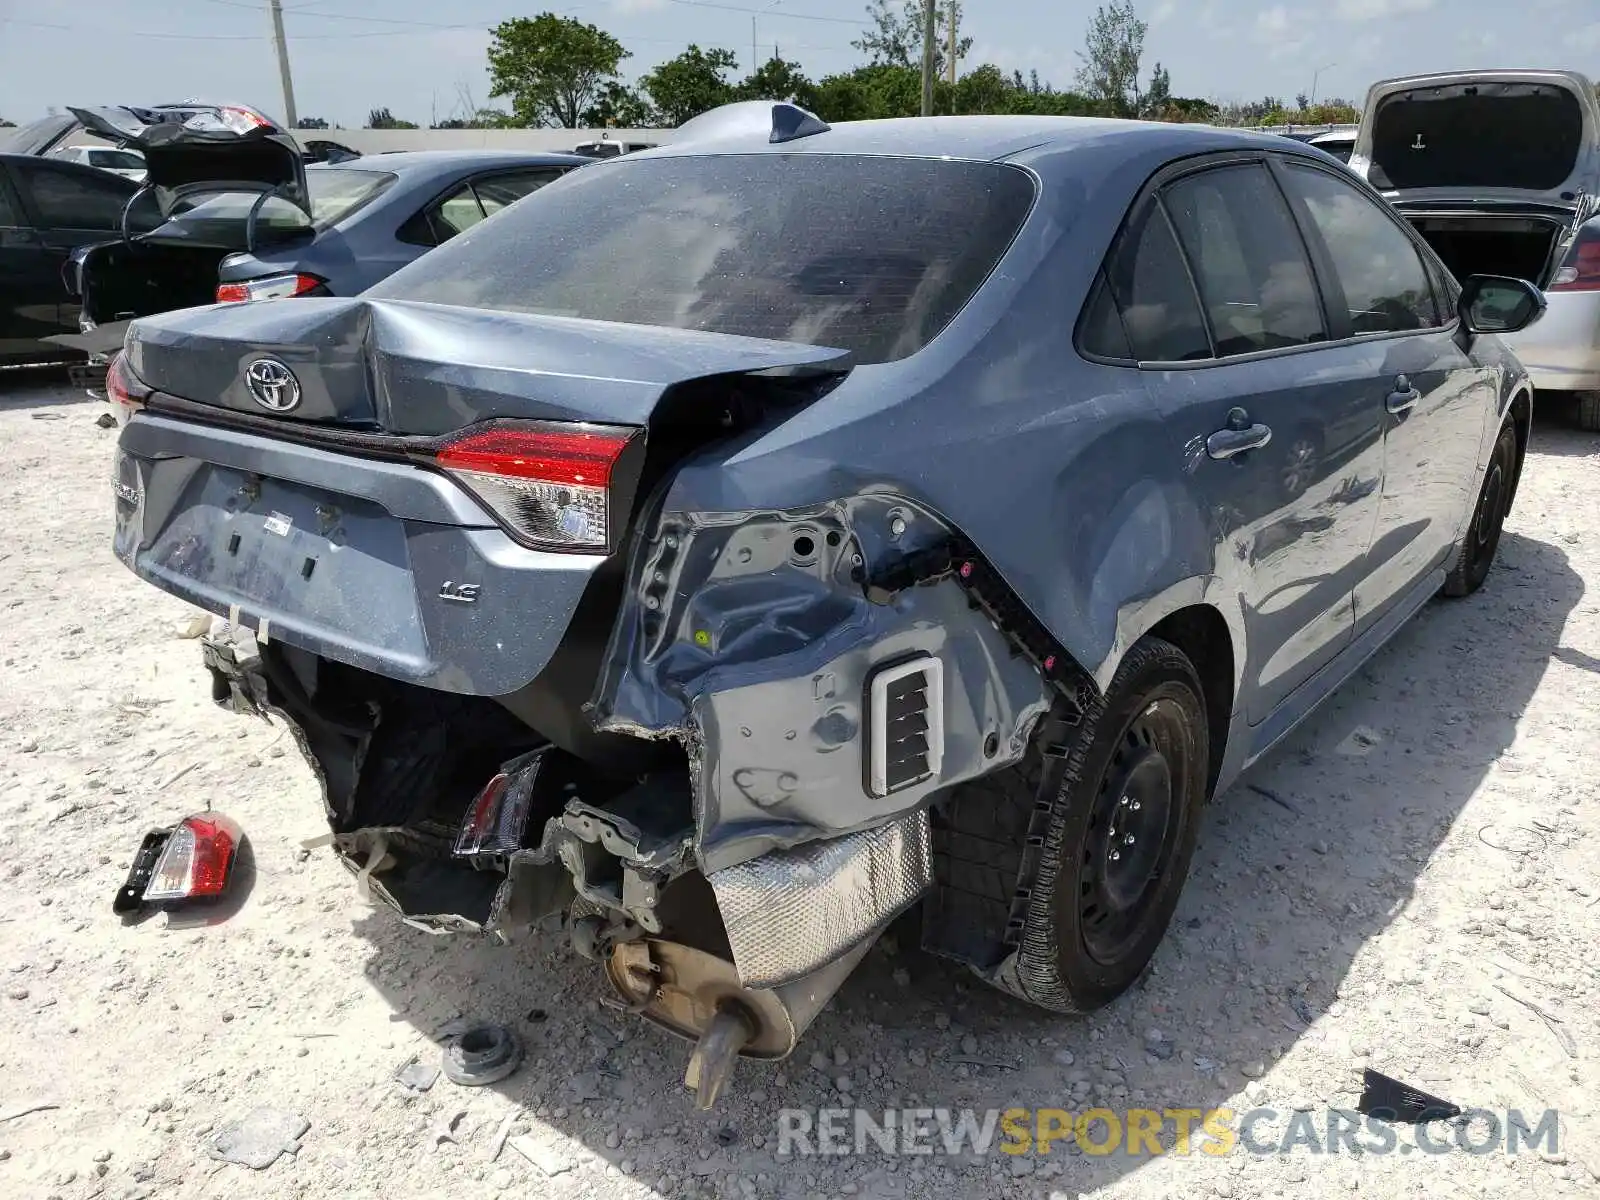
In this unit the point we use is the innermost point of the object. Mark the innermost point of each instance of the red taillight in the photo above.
(196, 859)
(550, 484)
(124, 389)
(1580, 270)
(268, 287)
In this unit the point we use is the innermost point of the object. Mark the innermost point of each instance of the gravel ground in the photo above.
(1396, 887)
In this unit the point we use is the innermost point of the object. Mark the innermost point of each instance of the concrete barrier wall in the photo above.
(376, 141)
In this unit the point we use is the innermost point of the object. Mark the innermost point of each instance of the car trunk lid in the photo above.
(223, 147)
(425, 369)
(1484, 135)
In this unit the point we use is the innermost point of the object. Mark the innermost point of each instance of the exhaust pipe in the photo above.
(697, 996)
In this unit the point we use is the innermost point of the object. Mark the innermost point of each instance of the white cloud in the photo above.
(1380, 10)
(1163, 13)
(1587, 38)
(1273, 22)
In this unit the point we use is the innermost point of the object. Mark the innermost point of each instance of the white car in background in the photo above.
(1500, 173)
(127, 163)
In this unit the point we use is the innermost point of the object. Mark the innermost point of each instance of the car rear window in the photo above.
(335, 193)
(874, 255)
(121, 159)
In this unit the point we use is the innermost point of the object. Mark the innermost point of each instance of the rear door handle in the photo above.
(1403, 398)
(1237, 439)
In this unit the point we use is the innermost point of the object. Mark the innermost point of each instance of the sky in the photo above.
(424, 60)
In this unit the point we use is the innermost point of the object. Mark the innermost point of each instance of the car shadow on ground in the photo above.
(41, 388)
(1556, 432)
(1313, 853)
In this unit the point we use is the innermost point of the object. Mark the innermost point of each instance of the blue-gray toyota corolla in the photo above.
(732, 545)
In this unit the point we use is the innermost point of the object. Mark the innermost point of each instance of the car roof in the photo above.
(983, 138)
(447, 162)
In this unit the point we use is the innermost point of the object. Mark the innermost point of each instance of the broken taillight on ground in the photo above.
(193, 860)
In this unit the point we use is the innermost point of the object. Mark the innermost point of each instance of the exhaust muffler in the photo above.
(697, 995)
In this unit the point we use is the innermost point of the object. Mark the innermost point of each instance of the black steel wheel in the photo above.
(1118, 805)
(1482, 540)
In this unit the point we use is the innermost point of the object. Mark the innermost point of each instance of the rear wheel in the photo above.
(1589, 411)
(1118, 807)
(1476, 553)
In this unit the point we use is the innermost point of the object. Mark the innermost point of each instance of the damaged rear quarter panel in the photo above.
(752, 637)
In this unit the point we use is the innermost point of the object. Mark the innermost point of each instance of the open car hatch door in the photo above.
(226, 147)
(1505, 135)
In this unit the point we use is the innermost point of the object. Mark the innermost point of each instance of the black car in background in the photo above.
(48, 209)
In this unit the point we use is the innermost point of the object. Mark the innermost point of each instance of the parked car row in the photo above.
(229, 211)
(839, 531)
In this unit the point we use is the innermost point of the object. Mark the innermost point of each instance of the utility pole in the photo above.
(754, 66)
(283, 62)
(955, 17)
(930, 35)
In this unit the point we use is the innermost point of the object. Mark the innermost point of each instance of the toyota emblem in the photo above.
(272, 385)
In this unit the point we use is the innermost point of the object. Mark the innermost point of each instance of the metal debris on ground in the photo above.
(106, 421)
(444, 1129)
(482, 1054)
(1361, 739)
(258, 1139)
(417, 1076)
(1386, 1098)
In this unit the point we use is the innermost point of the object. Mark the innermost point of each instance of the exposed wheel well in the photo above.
(1521, 414)
(1202, 634)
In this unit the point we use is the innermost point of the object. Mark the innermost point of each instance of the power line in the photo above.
(768, 12)
(144, 33)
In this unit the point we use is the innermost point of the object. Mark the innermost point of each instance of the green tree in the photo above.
(313, 123)
(692, 83)
(1158, 95)
(985, 89)
(870, 93)
(484, 118)
(894, 38)
(619, 106)
(778, 79)
(1111, 54)
(554, 69)
(382, 118)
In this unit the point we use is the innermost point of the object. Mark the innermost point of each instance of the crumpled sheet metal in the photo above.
(791, 912)
(750, 637)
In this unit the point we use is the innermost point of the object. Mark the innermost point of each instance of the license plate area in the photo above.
(296, 556)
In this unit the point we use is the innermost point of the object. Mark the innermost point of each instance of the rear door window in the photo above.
(457, 212)
(10, 217)
(1248, 258)
(497, 191)
(69, 199)
(1379, 270)
(1150, 284)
